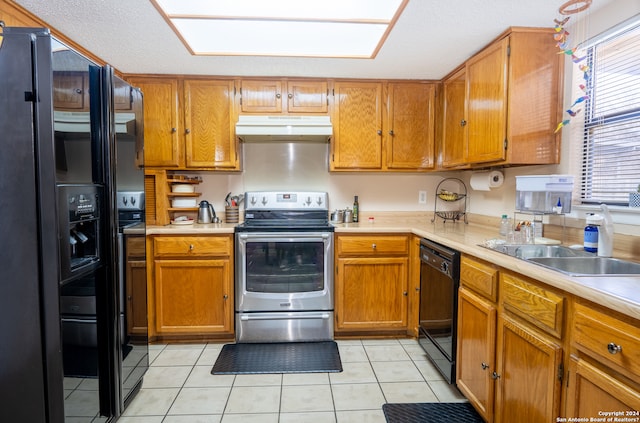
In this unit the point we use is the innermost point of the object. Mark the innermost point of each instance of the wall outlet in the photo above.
(422, 197)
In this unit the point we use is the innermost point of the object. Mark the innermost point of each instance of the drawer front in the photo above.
(480, 277)
(192, 246)
(596, 333)
(373, 245)
(135, 246)
(539, 306)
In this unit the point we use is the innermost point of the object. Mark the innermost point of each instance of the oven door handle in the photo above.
(285, 317)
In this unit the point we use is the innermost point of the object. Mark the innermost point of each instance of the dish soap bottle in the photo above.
(591, 233)
(505, 225)
(355, 209)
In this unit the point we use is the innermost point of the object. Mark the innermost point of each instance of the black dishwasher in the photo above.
(439, 282)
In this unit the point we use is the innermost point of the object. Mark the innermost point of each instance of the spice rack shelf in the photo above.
(450, 200)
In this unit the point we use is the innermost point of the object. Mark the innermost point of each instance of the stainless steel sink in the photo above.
(589, 266)
(526, 251)
(531, 251)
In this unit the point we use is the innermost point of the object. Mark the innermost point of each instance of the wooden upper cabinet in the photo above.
(189, 124)
(162, 126)
(486, 80)
(307, 97)
(260, 96)
(357, 126)
(411, 126)
(284, 96)
(512, 103)
(71, 91)
(209, 126)
(454, 147)
(536, 73)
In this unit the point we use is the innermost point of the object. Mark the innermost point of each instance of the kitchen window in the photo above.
(610, 156)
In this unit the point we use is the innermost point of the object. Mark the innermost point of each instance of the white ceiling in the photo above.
(430, 39)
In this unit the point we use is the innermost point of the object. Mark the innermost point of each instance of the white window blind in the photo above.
(611, 136)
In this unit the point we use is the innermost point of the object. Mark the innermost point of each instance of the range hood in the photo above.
(80, 122)
(284, 128)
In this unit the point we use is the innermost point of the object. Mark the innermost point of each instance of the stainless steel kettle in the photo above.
(206, 214)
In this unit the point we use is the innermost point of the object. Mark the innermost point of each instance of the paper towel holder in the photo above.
(486, 180)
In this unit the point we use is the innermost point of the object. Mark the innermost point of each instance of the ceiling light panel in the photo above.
(326, 28)
(259, 38)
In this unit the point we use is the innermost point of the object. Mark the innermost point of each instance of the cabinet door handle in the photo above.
(391, 133)
(374, 246)
(485, 366)
(191, 247)
(614, 348)
(78, 90)
(278, 95)
(463, 122)
(174, 130)
(225, 297)
(405, 293)
(495, 376)
(379, 131)
(187, 131)
(290, 96)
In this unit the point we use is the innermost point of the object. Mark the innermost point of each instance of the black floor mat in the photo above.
(290, 357)
(444, 412)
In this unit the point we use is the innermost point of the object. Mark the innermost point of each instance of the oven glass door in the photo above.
(285, 266)
(278, 272)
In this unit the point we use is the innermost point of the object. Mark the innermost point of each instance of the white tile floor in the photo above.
(179, 387)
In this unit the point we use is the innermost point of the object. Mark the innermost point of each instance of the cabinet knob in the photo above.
(463, 122)
(614, 348)
(278, 95)
(485, 366)
(374, 246)
(225, 297)
(191, 247)
(174, 130)
(405, 293)
(78, 90)
(290, 96)
(379, 132)
(187, 131)
(495, 376)
(391, 133)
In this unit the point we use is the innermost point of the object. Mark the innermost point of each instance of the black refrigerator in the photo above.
(68, 129)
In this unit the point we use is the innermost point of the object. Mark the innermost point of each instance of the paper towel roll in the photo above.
(486, 181)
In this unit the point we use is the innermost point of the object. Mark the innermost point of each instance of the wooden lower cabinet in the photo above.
(508, 367)
(136, 286)
(591, 390)
(476, 351)
(528, 374)
(371, 283)
(191, 296)
(193, 287)
(372, 293)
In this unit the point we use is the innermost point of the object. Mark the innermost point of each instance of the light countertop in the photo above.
(617, 293)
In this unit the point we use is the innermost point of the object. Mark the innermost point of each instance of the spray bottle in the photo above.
(605, 238)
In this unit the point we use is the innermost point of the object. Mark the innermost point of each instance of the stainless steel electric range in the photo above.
(284, 268)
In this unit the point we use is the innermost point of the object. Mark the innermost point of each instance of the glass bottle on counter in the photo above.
(355, 208)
